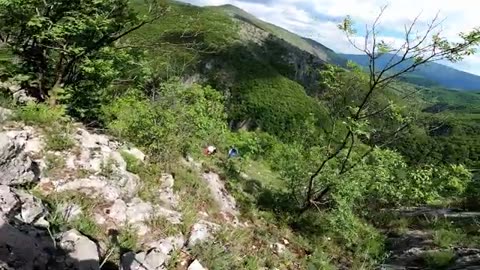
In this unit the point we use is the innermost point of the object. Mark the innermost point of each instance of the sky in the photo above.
(318, 19)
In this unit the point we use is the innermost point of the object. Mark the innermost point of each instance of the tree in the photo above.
(419, 48)
(52, 38)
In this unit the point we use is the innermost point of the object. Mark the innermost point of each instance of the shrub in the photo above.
(40, 114)
(133, 164)
(181, 118)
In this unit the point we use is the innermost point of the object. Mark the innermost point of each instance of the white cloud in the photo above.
(317, 19)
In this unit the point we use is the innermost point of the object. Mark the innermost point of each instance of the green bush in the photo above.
(183, 118)
(134, 165)
(40, 114)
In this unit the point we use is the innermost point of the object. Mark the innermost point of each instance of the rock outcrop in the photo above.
(16, 168)
(96, 169)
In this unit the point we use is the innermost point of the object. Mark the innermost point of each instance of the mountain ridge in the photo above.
(433, 74)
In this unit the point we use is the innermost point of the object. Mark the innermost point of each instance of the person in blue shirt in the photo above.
(233, 152)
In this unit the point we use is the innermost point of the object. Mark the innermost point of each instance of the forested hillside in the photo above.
(108, 107)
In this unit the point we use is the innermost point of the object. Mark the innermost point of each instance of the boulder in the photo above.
(21, 250)
(16, 168)
(201, 231)
(82, 252)
(32, 207)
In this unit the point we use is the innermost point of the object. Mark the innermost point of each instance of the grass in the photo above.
(87, 226)
(55, 164)
(58, 137)
(150, 174)
(439, 259)
(162, 226)
(446, 238)
(84, 224)
(128, 239)
(40, 114)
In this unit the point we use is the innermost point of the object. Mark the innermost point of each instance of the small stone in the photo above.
(279, 248)
(195, 265)
(154, 260)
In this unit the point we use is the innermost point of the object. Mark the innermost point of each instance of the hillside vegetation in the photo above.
(336, 163)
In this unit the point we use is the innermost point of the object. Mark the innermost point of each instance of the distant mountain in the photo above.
(432, 74)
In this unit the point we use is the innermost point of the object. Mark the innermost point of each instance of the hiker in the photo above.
(233, 152)
(210, 150)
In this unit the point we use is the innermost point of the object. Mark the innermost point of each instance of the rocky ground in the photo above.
(412, 248)
(94, 168)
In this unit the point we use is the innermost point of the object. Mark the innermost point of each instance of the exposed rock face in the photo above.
(16, 168)
(82, 252)
(220, 194)
(24, 240)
